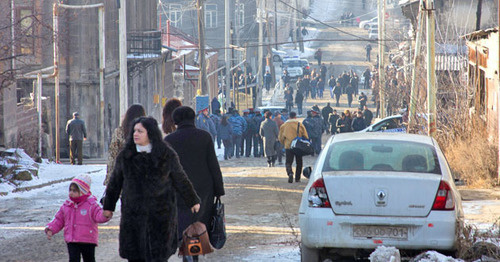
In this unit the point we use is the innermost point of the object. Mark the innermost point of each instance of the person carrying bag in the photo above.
(301, 146)
(217, 232)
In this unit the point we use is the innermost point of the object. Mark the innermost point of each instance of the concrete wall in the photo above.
(27, 124)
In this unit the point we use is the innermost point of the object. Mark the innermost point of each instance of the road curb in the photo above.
(28, 188)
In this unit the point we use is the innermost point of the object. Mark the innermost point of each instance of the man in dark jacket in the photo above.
(215, 105)
(362, 99)
(318, 128)
(358, 123)
(337, 90)
(299, 98)
(258, 142)
(332, 120)
(367, 115)
(251, 131)
(75, 128)
(367, 75)
(216, 117)
(331, 85)
(325, 112)
(239, 126)
(343, 124)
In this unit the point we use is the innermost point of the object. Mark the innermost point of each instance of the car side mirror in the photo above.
(307, 171)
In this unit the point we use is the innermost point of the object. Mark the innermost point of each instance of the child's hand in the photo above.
(107, 214)
(48, 232)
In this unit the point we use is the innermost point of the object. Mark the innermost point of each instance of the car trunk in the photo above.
(381, 193)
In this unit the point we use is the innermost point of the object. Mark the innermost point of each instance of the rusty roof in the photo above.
(480, 34)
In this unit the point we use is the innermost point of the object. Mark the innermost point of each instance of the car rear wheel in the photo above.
(276, 58)
(367, 26)
(308, 254)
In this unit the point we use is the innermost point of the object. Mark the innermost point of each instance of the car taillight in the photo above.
(317, 194)
(444, 198)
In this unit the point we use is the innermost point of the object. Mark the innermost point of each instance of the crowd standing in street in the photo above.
(147, 176)
(75, 128)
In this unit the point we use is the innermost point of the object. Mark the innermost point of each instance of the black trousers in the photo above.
(85, 250)
(289, 155)
(76, 151)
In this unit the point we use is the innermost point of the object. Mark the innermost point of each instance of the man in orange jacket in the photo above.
(288, 131)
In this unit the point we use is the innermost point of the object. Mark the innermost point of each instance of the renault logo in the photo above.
(381, 195)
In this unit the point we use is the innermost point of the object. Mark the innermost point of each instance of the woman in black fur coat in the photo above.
(148, 174)
(197, 156)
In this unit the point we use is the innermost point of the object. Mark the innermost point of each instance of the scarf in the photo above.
(80, 199)
(147, 148)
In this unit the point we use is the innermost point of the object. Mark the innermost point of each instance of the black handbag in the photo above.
(217, 232)
(301, 146)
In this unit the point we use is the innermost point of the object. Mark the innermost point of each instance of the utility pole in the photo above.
(258, 87)
(270, 61)
(381, 60)
(227, 57)
(431, 72)
(202, 80)
(275, 25)
(418, 45)
(122, 38)
(498, 100)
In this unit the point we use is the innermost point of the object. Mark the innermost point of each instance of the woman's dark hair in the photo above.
(168, 125)
(133, 112)
(183, 114)
(223, 120)
(154, 136)
(268, 114)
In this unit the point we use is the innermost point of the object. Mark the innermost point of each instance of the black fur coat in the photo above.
(148, 226)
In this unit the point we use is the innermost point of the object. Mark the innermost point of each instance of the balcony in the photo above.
(143, 45)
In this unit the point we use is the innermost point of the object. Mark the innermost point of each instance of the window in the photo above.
(175, 14)
(239, 14)
(382, 155)
(25, 30)
(210, 15)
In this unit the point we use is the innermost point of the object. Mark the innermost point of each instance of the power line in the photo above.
(327, 25)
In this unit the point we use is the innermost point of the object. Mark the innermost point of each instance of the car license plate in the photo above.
(393, 232)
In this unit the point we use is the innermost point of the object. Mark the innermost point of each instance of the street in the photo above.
(261, 206)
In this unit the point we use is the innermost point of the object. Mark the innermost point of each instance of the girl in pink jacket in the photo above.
(79, 216)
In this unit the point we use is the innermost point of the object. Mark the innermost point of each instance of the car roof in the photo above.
(271, 107)
(355, 136)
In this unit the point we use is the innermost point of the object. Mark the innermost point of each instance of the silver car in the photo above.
(373, 189)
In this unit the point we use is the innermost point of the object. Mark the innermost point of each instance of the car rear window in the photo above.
(292, 63)
(382, 155)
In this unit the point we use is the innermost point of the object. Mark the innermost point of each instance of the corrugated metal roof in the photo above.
(480, 34)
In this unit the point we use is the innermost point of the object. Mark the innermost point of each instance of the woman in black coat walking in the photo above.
(148, 174)
(197, 156)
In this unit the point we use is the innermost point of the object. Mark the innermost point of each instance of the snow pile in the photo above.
(17, 166)
(433, 256)
(385, 254)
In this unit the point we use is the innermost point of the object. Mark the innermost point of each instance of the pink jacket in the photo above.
(79, 221)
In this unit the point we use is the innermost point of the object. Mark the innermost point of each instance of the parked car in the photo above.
(364, 24)
(374, 189)
(373, 34)
(392, 124)
(372, 26)
(278, 55)
(294, 66)
(273, 109)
